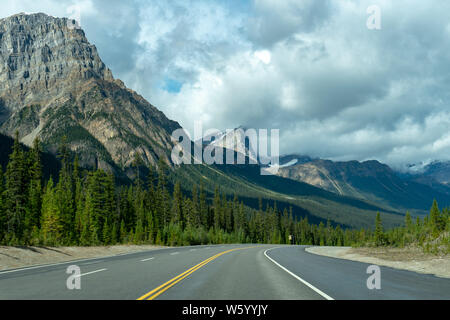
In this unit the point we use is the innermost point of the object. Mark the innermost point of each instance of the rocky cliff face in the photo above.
(370, 180)
(54, 84)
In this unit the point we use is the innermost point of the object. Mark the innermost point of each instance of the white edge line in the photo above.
(90, 263)
(47, 265)
(323, 294)
(174, 253)
(81, 260)
(71, 262)
(85, 274)
(148, 259)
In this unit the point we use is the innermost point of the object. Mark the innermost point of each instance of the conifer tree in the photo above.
(217, 209)
(435, 217)
(52, 224)
(139, 233)
(16, 193)
(408, 221)
(2, 211)
(203, 208)
(65, 193)
(122, 232)
(196, 218)
(137, 163)
(32, 220)
(177, 206)
(378, 230)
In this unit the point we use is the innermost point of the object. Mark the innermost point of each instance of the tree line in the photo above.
(86, 207)
(432, 233)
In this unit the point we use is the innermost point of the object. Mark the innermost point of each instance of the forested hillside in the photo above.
(85, 207)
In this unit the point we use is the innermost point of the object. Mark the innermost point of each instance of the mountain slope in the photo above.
(306, 200)
(438, 171)
(54, 84)
(370, 180)
(51, 165)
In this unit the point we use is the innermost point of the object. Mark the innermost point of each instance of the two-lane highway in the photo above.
(223, 272)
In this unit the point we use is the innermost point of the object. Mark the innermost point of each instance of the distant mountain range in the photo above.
(368, 180)
(373, 181)
(53, 84)
(436, 171)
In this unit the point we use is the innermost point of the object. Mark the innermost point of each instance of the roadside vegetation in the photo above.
(432, 233)
(87, 208)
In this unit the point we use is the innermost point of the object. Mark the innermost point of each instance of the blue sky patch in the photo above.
(172, 86)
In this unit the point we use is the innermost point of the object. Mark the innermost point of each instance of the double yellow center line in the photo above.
(165, 286)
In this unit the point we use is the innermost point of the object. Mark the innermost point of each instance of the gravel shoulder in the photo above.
(19, 257)
(411, 258)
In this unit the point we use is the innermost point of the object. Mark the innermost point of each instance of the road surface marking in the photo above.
(85, 274)
(174, 253)
(148, 259)
(67, 262)
(298, 278)
(193, 250)
(45, 266)
(94, 262)
(165, 286)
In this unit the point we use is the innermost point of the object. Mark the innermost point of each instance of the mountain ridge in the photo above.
(55, 84)
(370, 180)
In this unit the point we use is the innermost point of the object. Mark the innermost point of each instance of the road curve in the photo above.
(222, 272)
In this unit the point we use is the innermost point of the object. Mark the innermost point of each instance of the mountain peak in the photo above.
(53, 83)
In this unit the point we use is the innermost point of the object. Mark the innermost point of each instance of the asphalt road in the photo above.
(229, 272)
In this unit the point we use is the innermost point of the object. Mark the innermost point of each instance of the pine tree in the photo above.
(217, 209)
(2, 210)
(32, 220)
(114, 234)
(137, 163)
(52, 224)
(65, 192)
(435, 218)
(196, 218)
(163, 215)
(122, 232)
(378, 230)
(408, 221)
(110, 207)
(106, 232)
(78, 199)
(203, 209)
(177, 206)
(16, 199)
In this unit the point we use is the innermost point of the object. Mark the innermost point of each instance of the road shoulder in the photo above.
(411, 259)
(20, 257)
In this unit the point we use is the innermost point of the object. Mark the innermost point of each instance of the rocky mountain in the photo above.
(438, 171)
(54, 84)
(236, 140)
(370, 180)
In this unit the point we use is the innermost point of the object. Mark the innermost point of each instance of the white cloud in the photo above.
(310, 68)
(264, 56)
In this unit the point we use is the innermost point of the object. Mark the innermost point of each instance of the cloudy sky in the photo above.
(310, 68)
